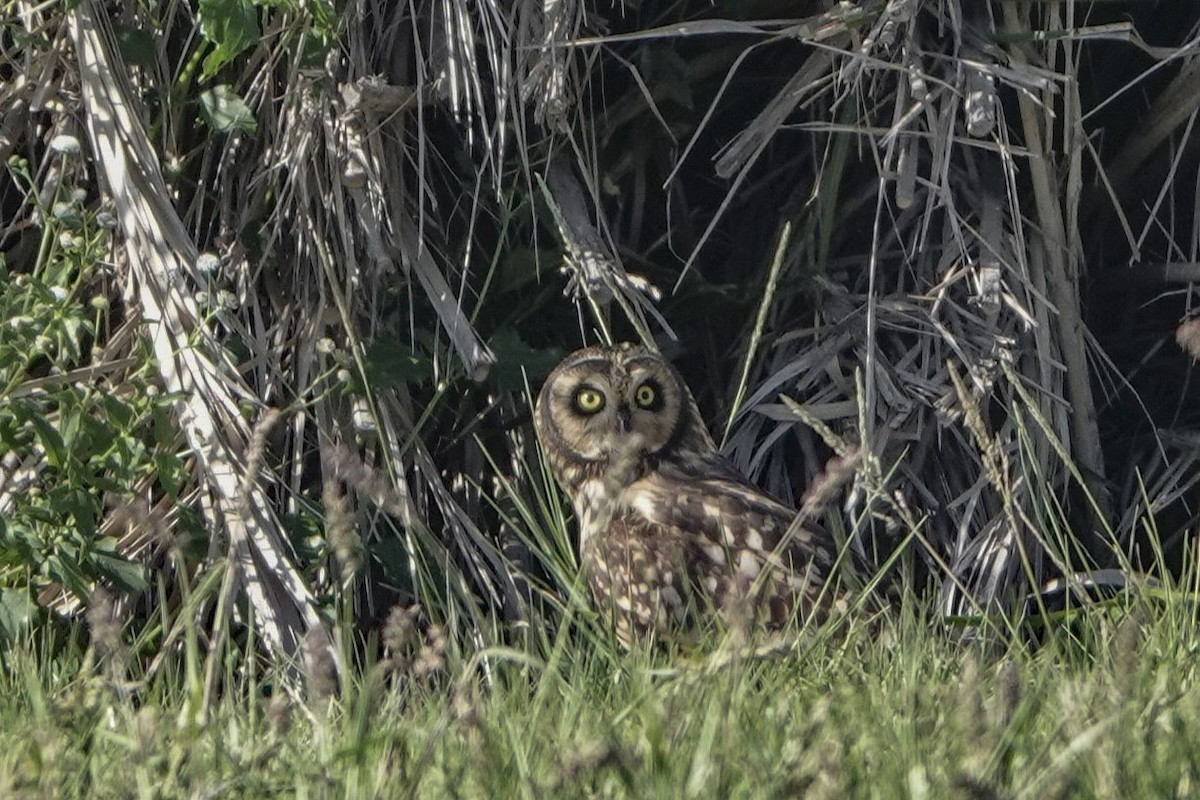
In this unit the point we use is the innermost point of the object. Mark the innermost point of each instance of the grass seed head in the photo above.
(320, 668)
(1010, 690)
(401, 636)
(431, 659)
(104, 623)
(340, 531)
(1187, 336)
(1128, 642)
(279, 713)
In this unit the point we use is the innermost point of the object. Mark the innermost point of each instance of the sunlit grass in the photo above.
(1106, 705)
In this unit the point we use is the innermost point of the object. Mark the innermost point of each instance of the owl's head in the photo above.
(601, 403)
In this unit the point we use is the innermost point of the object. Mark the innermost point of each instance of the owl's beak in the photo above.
(623, 418)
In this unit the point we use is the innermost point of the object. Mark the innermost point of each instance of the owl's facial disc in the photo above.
(620, 405)
(654, 406)
(614, 414)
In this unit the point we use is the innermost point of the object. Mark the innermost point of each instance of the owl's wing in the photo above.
(738, 541)
(725, 509)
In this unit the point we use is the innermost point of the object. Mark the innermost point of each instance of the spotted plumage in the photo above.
(668, 529)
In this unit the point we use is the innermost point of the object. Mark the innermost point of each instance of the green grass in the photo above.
(1105, 706)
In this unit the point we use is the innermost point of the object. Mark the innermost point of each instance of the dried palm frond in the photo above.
(162, 259)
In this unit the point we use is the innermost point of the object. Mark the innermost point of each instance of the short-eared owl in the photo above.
(668, 528)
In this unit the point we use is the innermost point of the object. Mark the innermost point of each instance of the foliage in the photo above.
(83, 432)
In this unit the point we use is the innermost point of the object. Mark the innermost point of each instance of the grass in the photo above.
(1106, 705)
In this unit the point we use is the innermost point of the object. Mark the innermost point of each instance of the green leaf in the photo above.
(389, 552)
(231, 26)
(67, 574)
(136, 46)
(123, 574)
(168, 467)
(523, 266)
(17, 612)
(515, 360)
(21, 543)
(389, 364)
(225, 112)
(70, 422)
(78, 503)
(119, 413)
(304, 533)
(51, 441)
(13, 433)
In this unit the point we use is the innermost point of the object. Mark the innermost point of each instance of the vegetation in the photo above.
(277, 280)
(1107, 711)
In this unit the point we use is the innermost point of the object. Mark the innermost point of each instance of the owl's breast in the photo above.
(594, 506)
(637, 572)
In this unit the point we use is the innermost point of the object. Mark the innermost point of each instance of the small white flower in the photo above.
(67, 145)
(60, 294)
(207, 262)
(105, 219)
(226, 300)
(78, 194)
(325, 345)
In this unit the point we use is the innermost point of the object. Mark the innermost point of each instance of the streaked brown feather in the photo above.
(723, 544)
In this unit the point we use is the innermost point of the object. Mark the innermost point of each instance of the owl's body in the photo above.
(668, 528)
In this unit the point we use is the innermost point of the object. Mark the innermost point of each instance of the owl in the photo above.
(669, 530)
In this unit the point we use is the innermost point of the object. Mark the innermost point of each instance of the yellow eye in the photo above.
(589, 400)
(646, 396)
